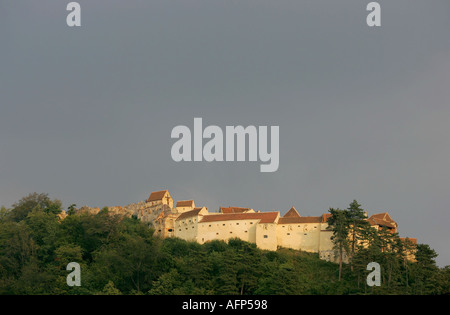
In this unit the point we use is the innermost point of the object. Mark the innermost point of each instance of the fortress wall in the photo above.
(187, 229)
(224, 230)
(300, 236)
(326, 244)
(266, 236)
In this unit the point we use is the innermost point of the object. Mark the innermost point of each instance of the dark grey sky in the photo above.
(86, 113)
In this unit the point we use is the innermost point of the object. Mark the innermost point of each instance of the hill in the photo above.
(120, 255)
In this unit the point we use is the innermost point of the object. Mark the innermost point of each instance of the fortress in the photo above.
(268, 230)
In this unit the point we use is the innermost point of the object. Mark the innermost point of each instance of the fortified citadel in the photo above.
(268, 230)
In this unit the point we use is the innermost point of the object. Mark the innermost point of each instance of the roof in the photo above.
(293, 217)
(382, 219)
(382, 216)
(189, 214)
(233, 210)
(293, 220)
(185, 203)
(263, 217)
(157, 195)
(292, 213)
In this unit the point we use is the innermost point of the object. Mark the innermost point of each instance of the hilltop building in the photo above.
(268, 230)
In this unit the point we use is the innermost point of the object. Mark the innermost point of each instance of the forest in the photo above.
(119, 255)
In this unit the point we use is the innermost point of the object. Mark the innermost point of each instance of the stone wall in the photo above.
(146, 212)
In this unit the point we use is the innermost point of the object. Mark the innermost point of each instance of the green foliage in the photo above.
(34, 201)
(119, 255)
(339, 223)
(110, 289)
(3, 213)
(71, 209)
(363, 244)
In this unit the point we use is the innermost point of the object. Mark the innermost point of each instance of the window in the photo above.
(265, 236)
(289, 234)
(170, 230)
(237, 223)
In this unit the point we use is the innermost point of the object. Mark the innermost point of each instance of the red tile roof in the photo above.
(300, 220)
(233, 210)
(185, 203)
(189, 214)
(157, 195)
(382, 219)
(264, 217)
(292, 213)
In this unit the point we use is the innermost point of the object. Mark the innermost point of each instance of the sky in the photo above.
(86, 113)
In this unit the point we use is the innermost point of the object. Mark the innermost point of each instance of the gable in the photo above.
(157, 195)
(292, 213)
(185, 203)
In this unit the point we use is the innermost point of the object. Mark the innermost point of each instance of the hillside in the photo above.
(120, 255)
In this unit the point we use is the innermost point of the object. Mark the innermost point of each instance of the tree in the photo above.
(34, 201)
(247, 258)
(425, 256)
(358, 226)
(45, 231)
(339, 224)
(408, 249)
(3, 213)
(424, 273)
(281, 280)
(17, 247)
(166, 284)
(71, 209)
(110, 289)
